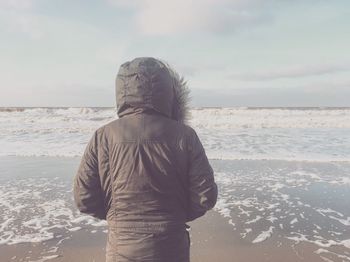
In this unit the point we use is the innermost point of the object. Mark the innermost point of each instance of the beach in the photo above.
(283, 176)
(263, 217)
(154, 95)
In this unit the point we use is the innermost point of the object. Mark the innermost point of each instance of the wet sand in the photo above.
(36, 203)
(212, 239)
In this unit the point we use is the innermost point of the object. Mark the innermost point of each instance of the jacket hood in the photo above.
(147, 83)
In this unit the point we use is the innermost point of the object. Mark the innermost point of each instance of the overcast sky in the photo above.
(232, 52)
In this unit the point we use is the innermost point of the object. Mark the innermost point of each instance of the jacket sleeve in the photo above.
(202, 188)
(88, 195)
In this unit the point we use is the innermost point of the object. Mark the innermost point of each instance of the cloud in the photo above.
(291, 72)
(196, 68)
(16, 4)
(17, 16)
(313, 94)
(162, 17)
(27, 24)
(340, 86)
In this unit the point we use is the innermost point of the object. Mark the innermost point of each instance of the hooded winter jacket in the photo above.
(146, 173)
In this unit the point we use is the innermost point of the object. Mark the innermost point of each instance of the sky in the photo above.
(231, 52)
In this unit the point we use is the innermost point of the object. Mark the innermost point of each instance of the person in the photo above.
(146, 173)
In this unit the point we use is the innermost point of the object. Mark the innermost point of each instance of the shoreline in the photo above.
(267, 211)
(212, 239)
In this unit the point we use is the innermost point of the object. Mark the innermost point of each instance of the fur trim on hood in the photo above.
(181, 98)
(148, 83)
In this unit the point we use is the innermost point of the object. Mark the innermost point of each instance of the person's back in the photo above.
(147, 172)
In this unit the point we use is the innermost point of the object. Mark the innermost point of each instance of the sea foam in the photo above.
(319, 135)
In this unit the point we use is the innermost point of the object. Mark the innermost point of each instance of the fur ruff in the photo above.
(182, 97)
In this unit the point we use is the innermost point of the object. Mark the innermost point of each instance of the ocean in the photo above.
(283, 174)
(305, 134)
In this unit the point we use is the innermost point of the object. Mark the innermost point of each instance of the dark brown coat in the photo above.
(146, 173)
